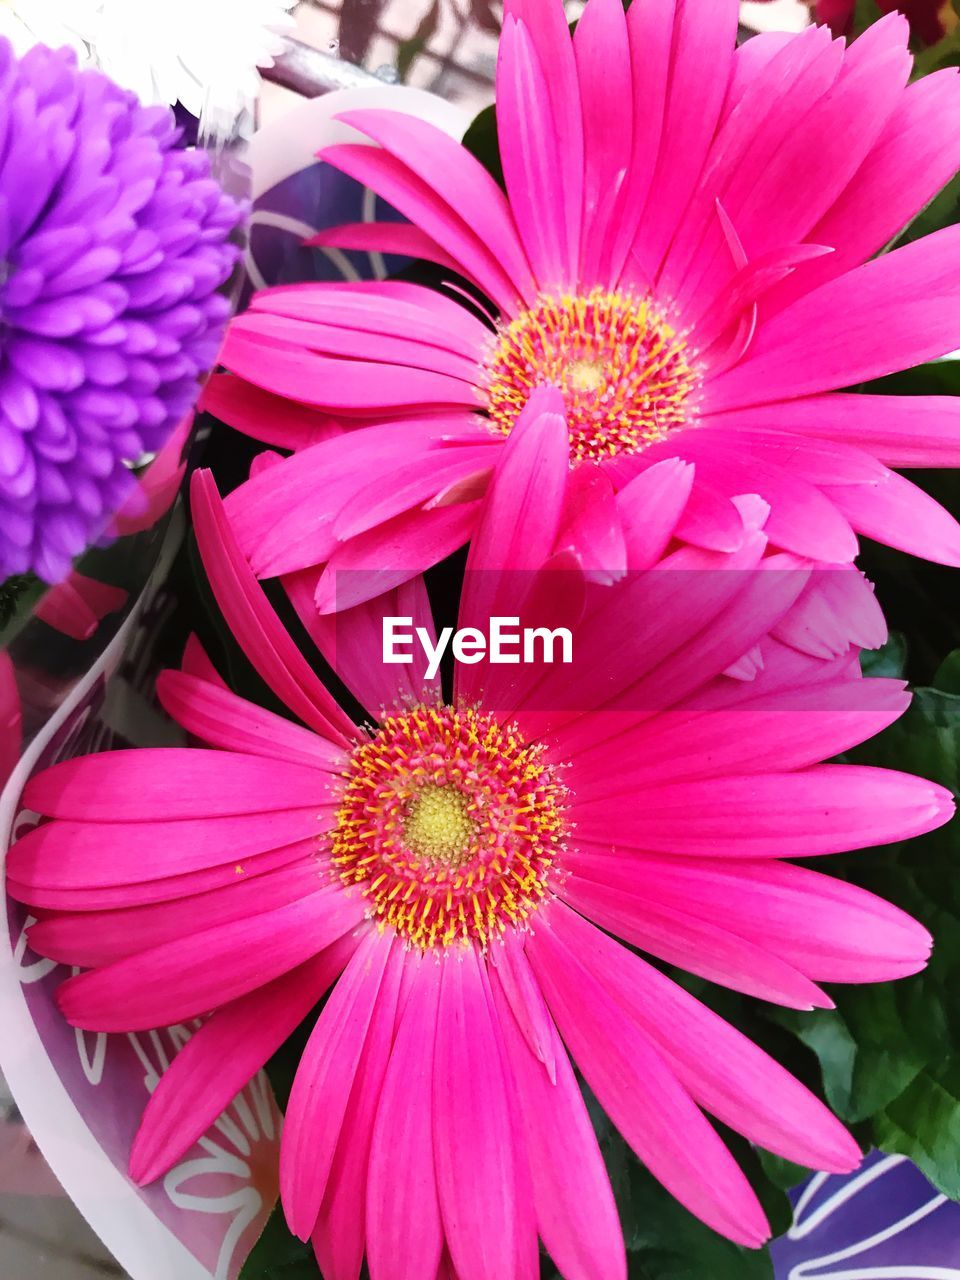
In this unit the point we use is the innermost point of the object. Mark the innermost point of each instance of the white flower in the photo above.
(197, 52)
(52, 22)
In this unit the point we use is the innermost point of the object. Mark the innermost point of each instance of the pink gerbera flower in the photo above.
(452, 878)
(682, 250)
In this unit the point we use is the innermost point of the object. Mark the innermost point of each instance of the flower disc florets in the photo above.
(627, 375)
(450, 822)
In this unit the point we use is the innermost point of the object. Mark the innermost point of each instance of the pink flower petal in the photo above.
(825, 809)
(224, 720)
(641, 1094)
(275, 420)
(283, 517)
(345, 385)
(893, 312)
(92, 941)
(532, 164)
(400, 239)
(547, 27)
(417, 200)
(779, 730)
(602, 52)
(120, 891)
(829, 930)
(375, 562)
(901, 431)
(219, 1060)
(457, 177)
(472, 1127)
(723, 1070)
(172, 783)
(902, 515)
(575, 1209)
(352, 640)
(700, 70)
(910, 162)
(650, 507)
(186, 978)
(251, 619)
(321, 1089)
(340, 1234)
(404, 1231)
(520, 517)
(700, 946)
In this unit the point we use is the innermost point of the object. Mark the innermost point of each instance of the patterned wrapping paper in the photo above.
(885, 1222)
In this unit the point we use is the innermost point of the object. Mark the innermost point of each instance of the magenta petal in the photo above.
(186, 978)
(92, 941)
(723, 1070)
(321, 1089)
(532, 164)
(472, 1126)
(404, 1231)
(641, 1094)
(400, 187)
(575, 1209)
(224, 720)
(700, 946)
(219, 1059)
(901, 431)
(824, 809)
(173, 783)
(457, 177)
(893, 312)
(340, 1234)
(902, 515)
(650, 507)
(274, 420)
(248, 613)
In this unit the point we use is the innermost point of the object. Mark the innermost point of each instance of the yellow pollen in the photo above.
(627, 376)
(438, 827)
(585, 375)
(449, 824)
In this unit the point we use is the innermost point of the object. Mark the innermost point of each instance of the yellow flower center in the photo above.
(449, 822)
(628, 377)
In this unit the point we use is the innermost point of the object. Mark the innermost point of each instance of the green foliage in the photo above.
(278, 1255)
(889, 661)
(481, 141)
(865, 14)
(889, 1054)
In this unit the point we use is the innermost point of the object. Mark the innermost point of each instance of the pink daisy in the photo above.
(682, 250)
(452, 878)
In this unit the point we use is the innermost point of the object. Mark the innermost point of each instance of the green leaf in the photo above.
(782, 1173)
(889, 660)
(865, 14)
(664, 1241)
(668, 1243)
(948, 673)
(924, 1124)
(482, 142)
(278, 1255)
(889, 1054)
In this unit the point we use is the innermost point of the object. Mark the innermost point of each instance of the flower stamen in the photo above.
(449, 822)
(628, 377)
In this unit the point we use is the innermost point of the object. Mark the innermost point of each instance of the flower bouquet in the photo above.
(533, 810)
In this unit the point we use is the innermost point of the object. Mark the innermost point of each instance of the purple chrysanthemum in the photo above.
(113, 244)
